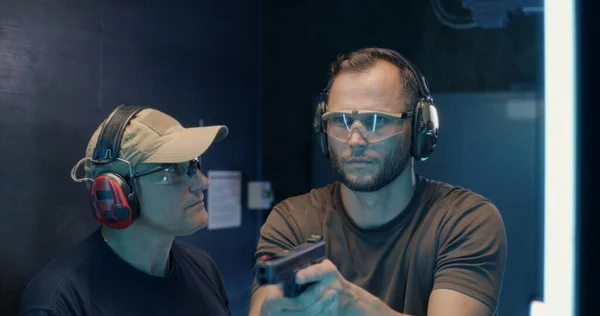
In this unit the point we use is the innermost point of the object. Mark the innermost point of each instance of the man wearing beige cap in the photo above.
(145, 188)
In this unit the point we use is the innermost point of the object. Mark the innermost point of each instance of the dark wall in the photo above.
(301, 39)
(65, 65)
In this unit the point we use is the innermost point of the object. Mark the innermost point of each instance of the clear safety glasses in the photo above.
(374, 126)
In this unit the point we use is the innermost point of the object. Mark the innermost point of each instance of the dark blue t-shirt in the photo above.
(92, 279)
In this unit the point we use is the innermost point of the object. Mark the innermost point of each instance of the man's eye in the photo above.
(169, 178)
(376, 120)
(172, 170)
(164, 180)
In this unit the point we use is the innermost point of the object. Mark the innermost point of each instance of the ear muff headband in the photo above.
(112, 197)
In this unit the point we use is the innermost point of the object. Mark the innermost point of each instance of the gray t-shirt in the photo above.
(446, 238)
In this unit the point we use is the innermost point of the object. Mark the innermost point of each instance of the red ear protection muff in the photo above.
(425, 123)
(111, 196)
(111, 201)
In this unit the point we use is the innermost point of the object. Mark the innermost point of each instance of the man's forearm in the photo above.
(256, 301)
(362, 300)
(369, 304)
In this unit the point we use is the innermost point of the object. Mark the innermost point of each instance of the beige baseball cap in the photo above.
(152, 136)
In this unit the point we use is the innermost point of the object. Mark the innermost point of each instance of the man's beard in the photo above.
(394, 165)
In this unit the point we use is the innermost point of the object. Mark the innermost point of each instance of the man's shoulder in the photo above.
(294, 218)
(458, 201)
(56, 281)
(318, 199)
(456, 196)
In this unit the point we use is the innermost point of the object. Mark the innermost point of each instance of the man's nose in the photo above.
(356, 138)
(199, 182)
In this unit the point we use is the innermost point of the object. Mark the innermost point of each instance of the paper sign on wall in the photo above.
(224, 199)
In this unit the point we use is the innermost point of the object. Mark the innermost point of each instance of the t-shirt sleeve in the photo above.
(279, 232)
(472, 253)
(42, 297)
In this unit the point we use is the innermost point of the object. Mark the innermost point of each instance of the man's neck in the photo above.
(374, 209)
(141, 247)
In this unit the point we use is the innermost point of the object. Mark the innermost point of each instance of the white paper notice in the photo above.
(224, 199)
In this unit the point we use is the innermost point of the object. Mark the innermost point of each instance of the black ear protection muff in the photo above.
(112, 197)
(425, 123)
(318, 127)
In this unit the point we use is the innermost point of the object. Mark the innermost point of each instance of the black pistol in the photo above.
(282, 267)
